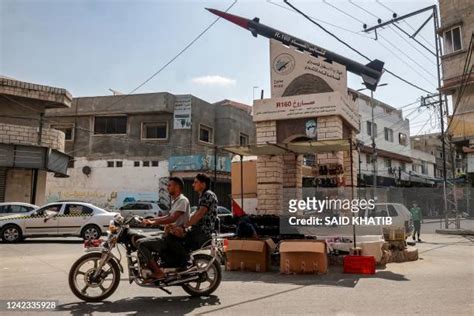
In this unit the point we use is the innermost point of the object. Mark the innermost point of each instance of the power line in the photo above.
(349, 46)
(403, 38)
(408, 24)
(322, 21)
(174, 58)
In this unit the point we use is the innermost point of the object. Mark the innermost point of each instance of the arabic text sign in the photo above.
(307, 105)
(182, 112)
(288, 64)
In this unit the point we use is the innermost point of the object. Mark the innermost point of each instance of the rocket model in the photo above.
(370, 73)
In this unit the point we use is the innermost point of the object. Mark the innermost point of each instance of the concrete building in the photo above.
(29, 149)
(456, 30)
(126, 146)
(431, 144)
(397, 164)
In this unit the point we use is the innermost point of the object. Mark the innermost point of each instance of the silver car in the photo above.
(16, 208)
(142, 208)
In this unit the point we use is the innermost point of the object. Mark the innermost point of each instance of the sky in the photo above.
(91, 46)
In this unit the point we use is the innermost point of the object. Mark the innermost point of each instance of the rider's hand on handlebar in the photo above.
(147, 222)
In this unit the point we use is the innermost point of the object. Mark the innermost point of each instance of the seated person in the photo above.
(200, 227)
(169, 244)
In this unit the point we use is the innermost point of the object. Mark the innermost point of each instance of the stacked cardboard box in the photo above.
(249, 254)
(303, 256)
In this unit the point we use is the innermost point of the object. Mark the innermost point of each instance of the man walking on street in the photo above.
(417, 218)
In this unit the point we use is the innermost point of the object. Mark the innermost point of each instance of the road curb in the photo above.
(455, 232)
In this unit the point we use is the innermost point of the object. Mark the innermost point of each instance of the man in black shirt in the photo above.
(200, 227)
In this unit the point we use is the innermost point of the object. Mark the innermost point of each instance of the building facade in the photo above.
(126, 146)
(431, 144)
(456, 30)
(396, 164)
(29, 149)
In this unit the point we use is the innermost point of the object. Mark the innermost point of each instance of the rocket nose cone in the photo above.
(242, 22)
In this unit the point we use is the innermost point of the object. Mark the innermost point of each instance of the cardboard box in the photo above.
(303, 256)
(249, 254)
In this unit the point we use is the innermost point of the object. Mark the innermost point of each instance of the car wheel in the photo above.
(91, 232)
(11, 234)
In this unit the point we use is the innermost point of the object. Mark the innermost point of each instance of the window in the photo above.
(48, 210)
(136, 163)
(452, 40)
(388, 163)
(14, 209)
(402, 139)
(68, 131)
(110, 125)
(146, 164)
(110, 164)
(388, 134)
(119, 164)
(206, 134)
(392, 211)
(370, 129)
(403, 166)
(155, 130)
(77, 210)
(424, 168)
(244, 139)
(154, 163)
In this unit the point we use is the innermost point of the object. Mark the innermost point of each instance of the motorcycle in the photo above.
(96, 275)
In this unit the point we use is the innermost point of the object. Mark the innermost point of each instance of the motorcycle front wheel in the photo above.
(208, 281)
(83, 284)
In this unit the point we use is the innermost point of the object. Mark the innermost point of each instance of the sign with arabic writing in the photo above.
(292, 69)
(182, 112)
(306, 106)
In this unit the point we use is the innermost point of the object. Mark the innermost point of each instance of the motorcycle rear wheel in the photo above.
(76, 274)
(213, 276)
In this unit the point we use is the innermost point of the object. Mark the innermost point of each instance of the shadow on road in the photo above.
(335, 277)
(170, 305)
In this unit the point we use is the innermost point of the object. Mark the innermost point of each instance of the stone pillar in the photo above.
(269, 173)
(329, 128)
(292, 178)
(355, 163)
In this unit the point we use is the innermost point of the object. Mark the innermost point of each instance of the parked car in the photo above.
(57, 219)
(143, 209)
(14, 208)
(225, 220)
(401, 216)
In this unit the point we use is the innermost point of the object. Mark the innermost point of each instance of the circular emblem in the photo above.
(311, 127)
(283, 64)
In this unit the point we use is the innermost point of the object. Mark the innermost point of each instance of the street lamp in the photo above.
(372, 134)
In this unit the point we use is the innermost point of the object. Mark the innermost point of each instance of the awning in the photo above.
(306, 147)
(33, 157)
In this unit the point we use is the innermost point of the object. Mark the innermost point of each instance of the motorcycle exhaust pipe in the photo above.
(176, 282)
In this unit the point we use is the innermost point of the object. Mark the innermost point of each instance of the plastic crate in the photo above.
(359, 264)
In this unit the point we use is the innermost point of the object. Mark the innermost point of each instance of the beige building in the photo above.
(456, 29)
(29, 150)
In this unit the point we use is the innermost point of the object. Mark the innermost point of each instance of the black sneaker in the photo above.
(413, 238)
(419, 240)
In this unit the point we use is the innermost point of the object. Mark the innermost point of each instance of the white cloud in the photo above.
(214, 80)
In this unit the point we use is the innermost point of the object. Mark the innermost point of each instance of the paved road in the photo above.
(440, 283)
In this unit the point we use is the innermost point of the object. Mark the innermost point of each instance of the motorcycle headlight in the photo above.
(112, 228)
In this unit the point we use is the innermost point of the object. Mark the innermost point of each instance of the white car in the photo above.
(401, 216)
(15, 208)
(57, 219)
(142, 208)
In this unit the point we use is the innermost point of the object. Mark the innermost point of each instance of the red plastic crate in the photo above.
(359, 264)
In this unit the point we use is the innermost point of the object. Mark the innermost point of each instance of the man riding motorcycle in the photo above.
(200, 227)
(167, 244)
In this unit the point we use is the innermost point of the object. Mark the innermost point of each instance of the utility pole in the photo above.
(374, 151)
(437, 54)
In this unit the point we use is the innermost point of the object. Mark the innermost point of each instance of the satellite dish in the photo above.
(86, 170)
